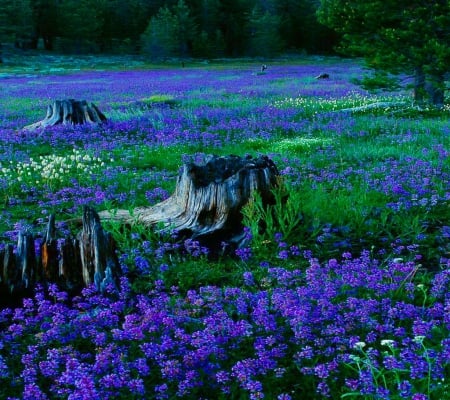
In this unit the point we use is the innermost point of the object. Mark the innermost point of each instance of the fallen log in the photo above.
(73, 112)
(208, 198)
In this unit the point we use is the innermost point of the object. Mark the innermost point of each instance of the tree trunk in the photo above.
(70, 111)
(208, 198)
(429, 88)
(419, 86)
(435, 89)
(98, 253)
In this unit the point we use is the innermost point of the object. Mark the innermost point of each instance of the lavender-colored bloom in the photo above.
(248, 278)
(405, 389)
(419, 396)
(283, 254)
(244, 253)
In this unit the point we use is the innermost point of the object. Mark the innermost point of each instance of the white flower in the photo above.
(419, 338)
(359, 345)
(388, 342)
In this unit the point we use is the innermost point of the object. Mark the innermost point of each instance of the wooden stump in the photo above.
(72, 263)
(98, 253)
(70, 111)
(208, 198)
(323, 76)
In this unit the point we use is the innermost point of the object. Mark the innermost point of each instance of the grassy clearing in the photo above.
(342, 290)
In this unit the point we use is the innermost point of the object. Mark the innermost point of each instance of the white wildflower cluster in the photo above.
(317, 103)
(301, 143)
(325, 103)
(52, 169)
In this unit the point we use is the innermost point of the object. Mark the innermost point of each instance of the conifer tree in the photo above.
(265, 39)
(408, 36)
(15, 21)
(160, 38)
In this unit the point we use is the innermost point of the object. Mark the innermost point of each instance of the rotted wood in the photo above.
(70, 111)
(71, 262)
(207, 202)
(49, 252)
(98, 252)
(70, 267)
(26, 260)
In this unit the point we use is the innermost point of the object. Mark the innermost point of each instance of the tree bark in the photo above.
(70, 111)
(419, 86)
(99, 261)
(49, 253)
(429, 88)
(73, 264)
(435, 88)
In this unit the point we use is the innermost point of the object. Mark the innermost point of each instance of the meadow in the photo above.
(345, 293)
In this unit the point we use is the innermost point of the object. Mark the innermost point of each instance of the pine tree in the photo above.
(265, 39)
(160, 38)
(15, 22)
(45, 20)
(409, 36)
(186, 27)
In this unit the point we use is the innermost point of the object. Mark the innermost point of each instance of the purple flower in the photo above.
(248, 278)
(405, 389)
(283, 254)
(244, 253)
(419, 396)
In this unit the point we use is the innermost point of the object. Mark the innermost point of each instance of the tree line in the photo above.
(167, 28)
(398, 36)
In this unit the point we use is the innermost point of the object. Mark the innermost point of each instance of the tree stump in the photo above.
(323, 76)
(98, 253)
(72, 263)
(70, 111)
(208, 198)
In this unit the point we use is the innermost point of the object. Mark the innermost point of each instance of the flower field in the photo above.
(342, 290)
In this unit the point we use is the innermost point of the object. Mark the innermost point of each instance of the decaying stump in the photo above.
(208, 198)
(323, 76)
(206, 206)
(97, 251)
(70, 262)
(74, 112)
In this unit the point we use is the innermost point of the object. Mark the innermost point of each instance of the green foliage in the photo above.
(283, 216)
(265, 39)
(160, 38)
(380, 80)
(169, 33)
(15, 20)
(397, 36)
(207, 28)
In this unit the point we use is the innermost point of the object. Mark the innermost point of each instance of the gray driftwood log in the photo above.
(208, 198)
(70, 111)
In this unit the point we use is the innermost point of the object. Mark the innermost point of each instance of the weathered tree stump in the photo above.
(98, 252)
(206, 206)
(323, 76)
(208, 198)
(69, 111)
(72, 263)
